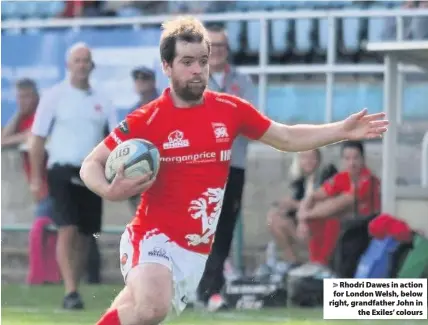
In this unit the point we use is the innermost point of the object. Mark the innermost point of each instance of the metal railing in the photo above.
(263, 69)
(330, 69)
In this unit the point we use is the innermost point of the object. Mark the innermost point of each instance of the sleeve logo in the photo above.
(123, 126)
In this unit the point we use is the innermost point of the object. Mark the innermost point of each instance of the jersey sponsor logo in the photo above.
(206, 208)
(123, 127)
(196, 158)
(176, 140)
(220, 132)
(158, 252)
(225, 155)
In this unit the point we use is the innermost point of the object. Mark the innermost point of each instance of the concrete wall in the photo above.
(266, 181)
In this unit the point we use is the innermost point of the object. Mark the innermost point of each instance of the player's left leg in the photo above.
(188, 269)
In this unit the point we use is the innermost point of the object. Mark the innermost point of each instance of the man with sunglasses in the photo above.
(224, 78)
(145, 86)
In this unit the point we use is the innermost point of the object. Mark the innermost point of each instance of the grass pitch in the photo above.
(40, 305)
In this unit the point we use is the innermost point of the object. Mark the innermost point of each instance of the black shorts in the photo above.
(73, 203)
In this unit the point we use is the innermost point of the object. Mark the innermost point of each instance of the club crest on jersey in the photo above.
(176, 140)
(220, 132)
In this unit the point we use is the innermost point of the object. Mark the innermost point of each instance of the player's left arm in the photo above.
(302, 137)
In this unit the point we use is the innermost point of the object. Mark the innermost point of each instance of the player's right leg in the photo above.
(146, 299)
(146, 267)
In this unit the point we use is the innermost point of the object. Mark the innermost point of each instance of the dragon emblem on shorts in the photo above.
(211, 200)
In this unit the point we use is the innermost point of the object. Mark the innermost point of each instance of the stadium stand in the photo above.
(291, 42)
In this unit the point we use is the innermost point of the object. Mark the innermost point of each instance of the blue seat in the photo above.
(274, 5)
(310, 5)
(340, 4)
(376, 27)
(263, 5)
(243, 5)
(323, 34)
(303, 30)
(52, 8)
(29, 9)
(291, 4)
(253, 35)
(376, 24)
(280, 28)
(9, 10)
(233, 29)
(351, 27)
(390, 4)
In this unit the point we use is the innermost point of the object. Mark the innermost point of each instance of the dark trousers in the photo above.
(76, 205)
(93, 267)
(213, 280)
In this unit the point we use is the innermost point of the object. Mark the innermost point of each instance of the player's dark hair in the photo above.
(358, 145)
(187, 29)
(27, 83)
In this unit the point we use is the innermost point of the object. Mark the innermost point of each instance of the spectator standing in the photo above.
(224, 78)
(145, 86)
(17, 131)
(75, 117)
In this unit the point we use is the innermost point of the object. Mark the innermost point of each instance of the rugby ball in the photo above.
(138, 156)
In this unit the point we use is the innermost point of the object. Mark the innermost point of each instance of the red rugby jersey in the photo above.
(366, 190)
(195, 148)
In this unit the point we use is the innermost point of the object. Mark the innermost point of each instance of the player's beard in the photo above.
(189, 92)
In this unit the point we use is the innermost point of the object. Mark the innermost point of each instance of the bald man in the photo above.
(75, 117)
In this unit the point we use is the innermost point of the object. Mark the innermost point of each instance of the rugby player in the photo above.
(165, 247)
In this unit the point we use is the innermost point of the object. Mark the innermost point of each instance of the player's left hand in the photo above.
(361, 125)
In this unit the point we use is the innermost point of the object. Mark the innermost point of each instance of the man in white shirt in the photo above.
(75, 117)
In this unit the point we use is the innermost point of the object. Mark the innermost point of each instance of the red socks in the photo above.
(110, 318)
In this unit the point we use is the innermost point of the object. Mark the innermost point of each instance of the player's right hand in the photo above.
(122, 188)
